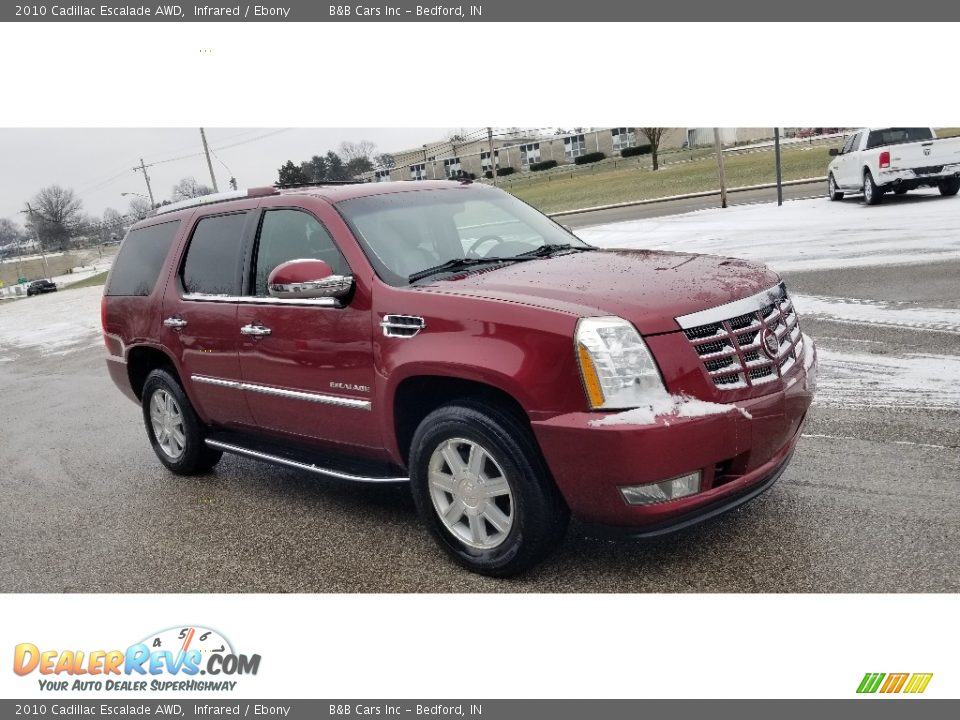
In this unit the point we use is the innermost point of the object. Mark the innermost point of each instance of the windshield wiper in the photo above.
(460, 263)
(550, 249)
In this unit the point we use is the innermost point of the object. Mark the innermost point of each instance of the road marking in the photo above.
(884, 442)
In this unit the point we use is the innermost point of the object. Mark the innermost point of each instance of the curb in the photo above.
(688, 196)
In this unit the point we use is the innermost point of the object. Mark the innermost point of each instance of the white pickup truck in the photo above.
(879, 160)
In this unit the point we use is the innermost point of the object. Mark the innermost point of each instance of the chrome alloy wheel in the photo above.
(470, 493)
(167, 421)
(831, 187)
(867, 188)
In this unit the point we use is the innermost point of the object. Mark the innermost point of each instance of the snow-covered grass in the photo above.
(54, 324)
(903, 381)
(879, 313)
(803, 234)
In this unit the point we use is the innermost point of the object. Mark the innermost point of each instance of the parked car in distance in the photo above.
(39, 287)
(875, 161)
(447, 335)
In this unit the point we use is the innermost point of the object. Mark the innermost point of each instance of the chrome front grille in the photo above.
(736, 346)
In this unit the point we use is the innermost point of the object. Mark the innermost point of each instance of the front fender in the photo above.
(536, 367)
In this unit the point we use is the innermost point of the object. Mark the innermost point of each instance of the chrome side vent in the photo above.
(402, 326)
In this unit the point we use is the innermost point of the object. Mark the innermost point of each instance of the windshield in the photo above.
(406, 232)
(897, 136)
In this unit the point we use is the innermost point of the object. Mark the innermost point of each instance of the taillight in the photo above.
(103, 317)
(885, 159)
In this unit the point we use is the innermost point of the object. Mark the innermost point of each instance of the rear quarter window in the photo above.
(138, 264)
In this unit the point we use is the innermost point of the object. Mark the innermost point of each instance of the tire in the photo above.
(166, 410)
(871, 193)
(900, 191)
(832, 192)
(502, 534)
(949, 187)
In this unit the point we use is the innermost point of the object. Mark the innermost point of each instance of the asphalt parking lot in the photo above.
(871, 502)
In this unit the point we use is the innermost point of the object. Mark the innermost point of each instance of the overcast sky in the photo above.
(97, 163)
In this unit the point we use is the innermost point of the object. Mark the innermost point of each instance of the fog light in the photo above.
(663, 491)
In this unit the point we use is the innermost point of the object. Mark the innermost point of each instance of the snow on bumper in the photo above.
(733, 449)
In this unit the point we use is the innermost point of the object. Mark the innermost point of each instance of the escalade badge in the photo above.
(770, 343)
(350, 386)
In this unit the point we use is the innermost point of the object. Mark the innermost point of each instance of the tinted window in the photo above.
(897, 136)
(291, 235)
(137, 267)
(213, 259)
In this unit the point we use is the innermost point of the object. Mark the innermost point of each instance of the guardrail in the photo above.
(688, 196)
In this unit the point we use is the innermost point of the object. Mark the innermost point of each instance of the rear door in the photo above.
(307, 364)
(200, 317)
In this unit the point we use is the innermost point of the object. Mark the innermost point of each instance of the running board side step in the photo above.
(304, 464)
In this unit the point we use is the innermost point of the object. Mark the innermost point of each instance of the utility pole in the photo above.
(143, 169)
(776, 153)
(206, 151)
(723, 173)
(493, 166)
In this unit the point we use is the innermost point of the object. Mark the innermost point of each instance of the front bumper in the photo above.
(737, 453)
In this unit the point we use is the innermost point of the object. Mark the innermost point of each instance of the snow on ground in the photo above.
(879, 313)
(54, 324)
(803, 234)
(913, 380)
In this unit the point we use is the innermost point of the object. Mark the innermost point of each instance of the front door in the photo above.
(307, 365)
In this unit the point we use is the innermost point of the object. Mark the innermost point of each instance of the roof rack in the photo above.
(215, 198)
(320, 183)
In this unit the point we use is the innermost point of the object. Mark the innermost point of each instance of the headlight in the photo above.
(617, 368)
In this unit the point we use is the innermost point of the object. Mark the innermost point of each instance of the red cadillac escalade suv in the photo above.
(447, 335)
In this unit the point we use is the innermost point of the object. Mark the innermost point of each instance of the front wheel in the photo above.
(174, 430)
(950, 186)
(481, 488)
(832, 191)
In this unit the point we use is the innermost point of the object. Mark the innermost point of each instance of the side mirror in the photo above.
(306, 279)
(833, 152)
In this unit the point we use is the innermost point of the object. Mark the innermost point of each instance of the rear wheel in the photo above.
(832, 192)
(871, 193)
(175, 431)
(950, 186)
(481, 488)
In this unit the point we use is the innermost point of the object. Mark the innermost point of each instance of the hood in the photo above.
(648, 288)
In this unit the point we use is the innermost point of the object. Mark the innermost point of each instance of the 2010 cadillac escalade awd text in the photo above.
(448, 335)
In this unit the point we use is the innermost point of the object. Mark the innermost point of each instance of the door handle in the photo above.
(175, 322)
(255, 330)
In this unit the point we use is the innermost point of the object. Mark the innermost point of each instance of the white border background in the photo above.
(376, 75)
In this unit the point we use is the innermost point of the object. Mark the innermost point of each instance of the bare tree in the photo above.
(139, 208)
(350, 151)
(385, 161)
(189, 188)
(55, 214)
(455, 137)
(10, 232)
(653, 136)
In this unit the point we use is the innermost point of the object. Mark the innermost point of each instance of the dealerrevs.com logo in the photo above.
(172, 659)
(892, 683)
